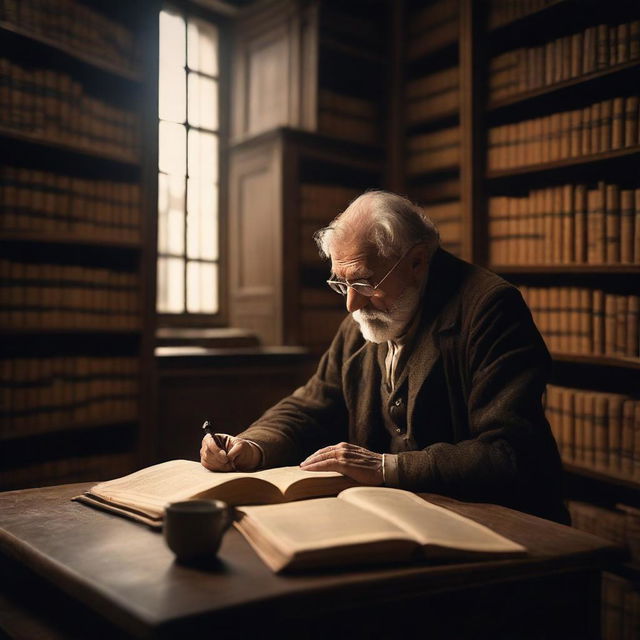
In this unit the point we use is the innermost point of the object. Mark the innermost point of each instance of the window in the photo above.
(188, 158)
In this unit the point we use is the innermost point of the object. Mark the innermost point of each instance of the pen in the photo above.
(207, 427)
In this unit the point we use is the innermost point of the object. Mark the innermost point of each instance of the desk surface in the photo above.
(122, 570)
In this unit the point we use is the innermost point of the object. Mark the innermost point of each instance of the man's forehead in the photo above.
(353, 258)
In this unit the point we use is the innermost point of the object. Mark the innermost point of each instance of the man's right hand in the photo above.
(237, 454)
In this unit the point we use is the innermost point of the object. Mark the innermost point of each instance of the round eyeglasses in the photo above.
(363, 287)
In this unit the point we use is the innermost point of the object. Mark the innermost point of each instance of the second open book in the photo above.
(366, 525)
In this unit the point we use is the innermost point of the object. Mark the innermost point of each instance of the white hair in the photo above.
(388, 222)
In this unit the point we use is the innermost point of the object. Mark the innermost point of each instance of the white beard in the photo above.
(380, 326)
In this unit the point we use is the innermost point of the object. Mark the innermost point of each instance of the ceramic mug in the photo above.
(193, 529)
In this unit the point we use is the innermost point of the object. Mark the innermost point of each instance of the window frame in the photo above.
(186, 319)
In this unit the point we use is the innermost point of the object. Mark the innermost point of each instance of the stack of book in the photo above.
(47, 394)
(448, 218)
(55, 107)
(568, 224)
(74, 26)
(595, 48)
(58, 296)
(433, 151)
(432, 96)
(607, 125)
(432, 28)
(348, 117)
(586, 321)
(596, 430)
(44, 202)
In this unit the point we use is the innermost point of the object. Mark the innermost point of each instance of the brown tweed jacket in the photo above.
(476, 370)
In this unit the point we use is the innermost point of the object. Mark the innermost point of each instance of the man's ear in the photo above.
(419, 261)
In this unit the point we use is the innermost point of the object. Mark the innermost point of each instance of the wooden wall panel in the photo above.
(255, 223)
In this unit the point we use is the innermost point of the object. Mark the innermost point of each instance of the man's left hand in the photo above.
(355, 462)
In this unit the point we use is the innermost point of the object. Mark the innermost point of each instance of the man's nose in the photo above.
(355, 300)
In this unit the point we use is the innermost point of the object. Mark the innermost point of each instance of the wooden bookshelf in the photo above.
(81, 236)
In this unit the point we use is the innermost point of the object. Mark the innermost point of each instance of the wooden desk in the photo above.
(87, 574)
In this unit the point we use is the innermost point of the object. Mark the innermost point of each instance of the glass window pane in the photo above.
(172, 40)
(203, 155)
(172, 149)
(202, 220)
(172, 97)
(202, 287)
(203, 102)
(203, 46)
(170, 285)
(170, 214)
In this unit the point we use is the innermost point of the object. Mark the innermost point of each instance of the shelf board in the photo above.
(518, 98)
(93, 61)
(605, 269)
(62, 238)
(25, 331)
(602, 476)
(34, 138)
(560, 164)
(352, 50)
(604, 361)
(74, 427)
(549, 7)
(433, 118)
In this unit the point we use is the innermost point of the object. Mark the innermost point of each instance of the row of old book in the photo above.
(620, 609)
(67, 469)
(608, 125)
(433, 151)
(46, 394)
(348, 117)
(596, 430)
(74, 26)
(59, 296)
(595, 48)
(42, 202)
(503, 11)
(566, 224)
(586, 321)
(55, 107)
(432, 27)
(432, 95)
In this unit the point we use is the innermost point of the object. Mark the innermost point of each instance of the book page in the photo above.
(428, 523)
(320, 524)
(161, 483)
(285, 477)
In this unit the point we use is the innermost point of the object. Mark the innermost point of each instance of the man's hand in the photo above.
(355, 462)
(236, 455)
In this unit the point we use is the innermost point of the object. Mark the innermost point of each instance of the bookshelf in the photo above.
(77, 236)
(560, 219)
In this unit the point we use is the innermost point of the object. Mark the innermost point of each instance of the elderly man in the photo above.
(433, 382)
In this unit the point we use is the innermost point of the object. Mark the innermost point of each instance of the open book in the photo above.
(144, 494)
(366, 525)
